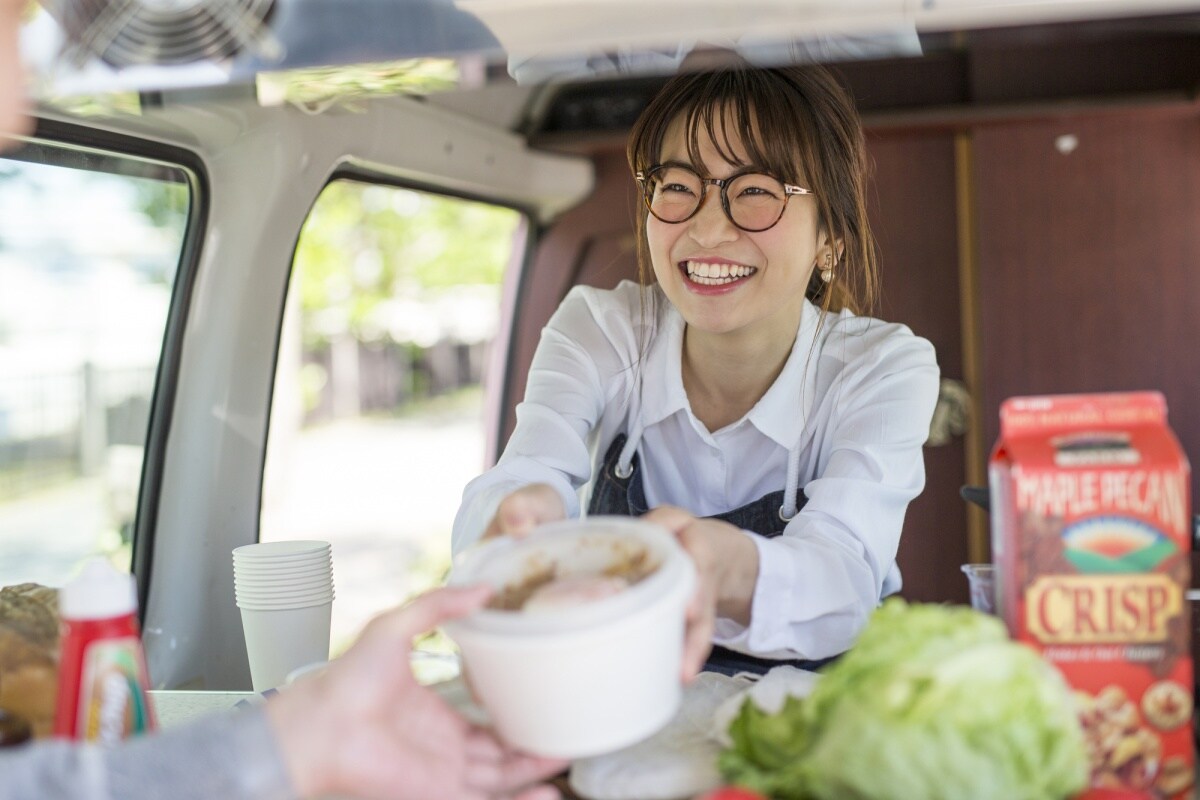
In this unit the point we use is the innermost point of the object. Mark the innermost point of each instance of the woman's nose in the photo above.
(710, 226)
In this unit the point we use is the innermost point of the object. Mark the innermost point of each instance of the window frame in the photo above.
(494, 421)
(79, 137)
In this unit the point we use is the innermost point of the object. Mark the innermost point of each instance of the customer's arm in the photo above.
(364, 728)
(228, 756)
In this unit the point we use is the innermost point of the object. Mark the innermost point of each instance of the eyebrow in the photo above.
(741, 169)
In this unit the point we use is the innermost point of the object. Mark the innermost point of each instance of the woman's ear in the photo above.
(833, 248)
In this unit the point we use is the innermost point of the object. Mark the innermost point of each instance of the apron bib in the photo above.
(625, 495)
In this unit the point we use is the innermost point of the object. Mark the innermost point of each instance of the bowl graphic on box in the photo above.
(1116, 544)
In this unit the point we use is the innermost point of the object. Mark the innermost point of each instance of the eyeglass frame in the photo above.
(789, 191)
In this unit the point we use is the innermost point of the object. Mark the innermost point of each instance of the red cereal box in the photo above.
(1090, 535)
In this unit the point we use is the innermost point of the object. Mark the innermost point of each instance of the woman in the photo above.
(740, 395)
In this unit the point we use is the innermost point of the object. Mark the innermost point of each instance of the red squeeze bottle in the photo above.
(102, 678)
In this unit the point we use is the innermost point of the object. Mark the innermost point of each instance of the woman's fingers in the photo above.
(525, 509)
(702, 610)
(697, 642)
(673, 519)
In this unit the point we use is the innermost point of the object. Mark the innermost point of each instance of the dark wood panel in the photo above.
(1084, 67)
(1090, 262)
(913, 214)
(587, 242)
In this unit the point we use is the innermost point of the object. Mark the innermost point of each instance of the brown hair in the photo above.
(797, 123)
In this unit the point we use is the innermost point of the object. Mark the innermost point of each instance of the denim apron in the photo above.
(620, 495)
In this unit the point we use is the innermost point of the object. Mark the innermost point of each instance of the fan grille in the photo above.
(138, 32)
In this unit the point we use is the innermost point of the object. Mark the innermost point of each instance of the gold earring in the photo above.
(827, 272)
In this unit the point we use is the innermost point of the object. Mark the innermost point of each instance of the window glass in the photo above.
(89, 247)
(377, 414)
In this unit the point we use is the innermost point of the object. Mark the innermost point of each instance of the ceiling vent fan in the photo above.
(125, 33)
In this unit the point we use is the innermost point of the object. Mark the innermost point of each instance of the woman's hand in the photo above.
(726, 571)
(525, 509)
(366, 728)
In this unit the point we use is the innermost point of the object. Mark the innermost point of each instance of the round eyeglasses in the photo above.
(753, 201)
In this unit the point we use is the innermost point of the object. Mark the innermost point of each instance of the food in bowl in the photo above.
(551, 588)
(581, 651)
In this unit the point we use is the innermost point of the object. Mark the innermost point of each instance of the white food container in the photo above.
(585, 680)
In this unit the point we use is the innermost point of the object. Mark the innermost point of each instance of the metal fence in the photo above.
(56, 426)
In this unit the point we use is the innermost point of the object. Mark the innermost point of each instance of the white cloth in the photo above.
(678, 761)
(869, 390)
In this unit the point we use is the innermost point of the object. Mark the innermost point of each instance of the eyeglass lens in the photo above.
(755, 201)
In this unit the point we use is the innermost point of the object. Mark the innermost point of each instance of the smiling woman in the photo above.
(739, 398)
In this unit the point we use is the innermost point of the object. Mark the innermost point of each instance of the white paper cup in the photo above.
(282, 561)
(282, 572)
(250, 586)
(296, 601)
(281, 640)
(285, 590)
(241, 583)
(284, 597)
(281, 551)
(291, 601)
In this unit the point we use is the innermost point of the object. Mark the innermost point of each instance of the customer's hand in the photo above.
(365, 728)
(726, 573)
(525, 509)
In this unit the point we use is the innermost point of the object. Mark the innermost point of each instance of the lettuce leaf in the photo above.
(933, 702)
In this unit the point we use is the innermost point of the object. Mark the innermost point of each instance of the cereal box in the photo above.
(1090, 534)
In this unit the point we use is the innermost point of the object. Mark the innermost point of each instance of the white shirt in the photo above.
(854, 400)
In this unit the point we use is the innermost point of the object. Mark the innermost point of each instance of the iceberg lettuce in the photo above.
(932, 703)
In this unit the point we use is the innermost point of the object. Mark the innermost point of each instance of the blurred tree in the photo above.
(365, 243)
(163, 203)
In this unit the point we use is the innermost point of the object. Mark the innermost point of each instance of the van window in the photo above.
(377, 412)
(90, 243)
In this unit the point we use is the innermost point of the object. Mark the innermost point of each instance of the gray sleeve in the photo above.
(231, 756)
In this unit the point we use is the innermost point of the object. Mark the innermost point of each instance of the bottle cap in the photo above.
(98, 592)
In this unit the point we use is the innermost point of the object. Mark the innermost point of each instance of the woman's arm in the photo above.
(822, 578)
(580, 373)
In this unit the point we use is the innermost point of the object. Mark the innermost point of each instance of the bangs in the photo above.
(746, 111)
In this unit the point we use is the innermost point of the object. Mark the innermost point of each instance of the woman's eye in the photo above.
(756, 191)
(677, 188)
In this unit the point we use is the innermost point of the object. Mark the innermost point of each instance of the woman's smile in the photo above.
(714, 276)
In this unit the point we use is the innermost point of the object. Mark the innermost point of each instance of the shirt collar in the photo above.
(779, 414)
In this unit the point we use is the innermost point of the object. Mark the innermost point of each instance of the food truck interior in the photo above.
(1035, 195)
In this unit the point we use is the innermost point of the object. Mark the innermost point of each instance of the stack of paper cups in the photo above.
(285, 593)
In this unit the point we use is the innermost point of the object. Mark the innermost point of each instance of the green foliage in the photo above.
(364, 244)
(164, 204)
(316, 87)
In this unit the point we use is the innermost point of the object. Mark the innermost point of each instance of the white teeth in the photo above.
(716, 274)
